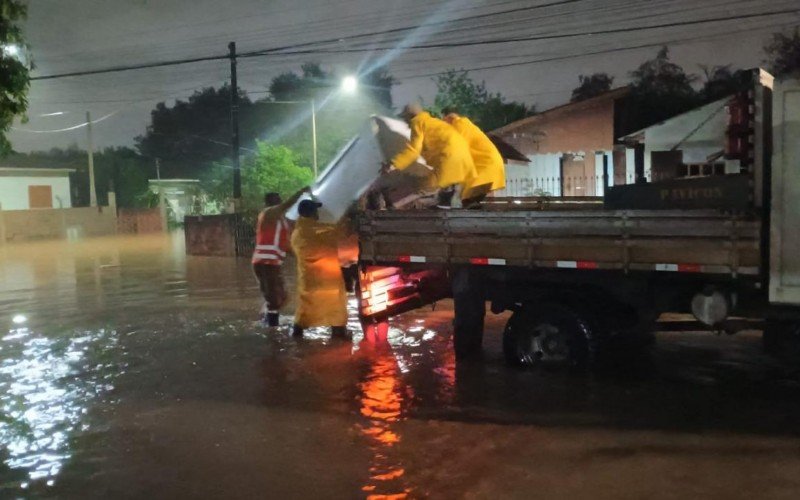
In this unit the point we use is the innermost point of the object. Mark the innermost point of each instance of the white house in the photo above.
(33, 188)
(690, 144)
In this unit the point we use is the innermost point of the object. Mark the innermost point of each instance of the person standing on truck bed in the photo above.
(321, 297)
(489, 168)
(272, 243)
(444, 150)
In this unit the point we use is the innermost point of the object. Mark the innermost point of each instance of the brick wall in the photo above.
(23, 225)
(139, 221)
(211, 235)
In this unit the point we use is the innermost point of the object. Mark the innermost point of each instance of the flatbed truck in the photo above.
(577, 275)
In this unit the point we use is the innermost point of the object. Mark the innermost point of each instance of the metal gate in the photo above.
(244, 234)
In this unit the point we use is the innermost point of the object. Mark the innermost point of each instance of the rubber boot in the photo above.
(273, 319)
(297, 331)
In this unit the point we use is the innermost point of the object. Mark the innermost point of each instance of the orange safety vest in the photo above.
(272, 243)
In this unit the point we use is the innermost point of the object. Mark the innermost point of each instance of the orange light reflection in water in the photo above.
(382, 398)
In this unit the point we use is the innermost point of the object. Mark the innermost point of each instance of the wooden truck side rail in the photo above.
(699, 241)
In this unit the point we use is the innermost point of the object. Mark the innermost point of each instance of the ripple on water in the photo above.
(46, 385)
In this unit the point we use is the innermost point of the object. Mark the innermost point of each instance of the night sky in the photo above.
(79, 35)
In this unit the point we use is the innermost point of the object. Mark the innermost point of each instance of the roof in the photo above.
(612, 95)
(38, 172)
(701, 115)
(507, 151)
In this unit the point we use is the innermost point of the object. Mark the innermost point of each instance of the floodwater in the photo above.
(128, 370)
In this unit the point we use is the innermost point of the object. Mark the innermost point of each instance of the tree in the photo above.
(661, 89)
(192, 134)
(489, 111)
(14, 68)
(339, 116)
(783, 52)
(271, 168)
(591, 86)
(721, 81)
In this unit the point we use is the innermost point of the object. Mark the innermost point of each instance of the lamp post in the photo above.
(349, 85)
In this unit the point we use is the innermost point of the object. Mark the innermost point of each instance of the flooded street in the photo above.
(129, 370)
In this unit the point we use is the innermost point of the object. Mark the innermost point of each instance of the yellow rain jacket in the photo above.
(489, 165)
(321, 298)
(441, 146)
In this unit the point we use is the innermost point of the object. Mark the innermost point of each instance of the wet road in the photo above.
(128, 370)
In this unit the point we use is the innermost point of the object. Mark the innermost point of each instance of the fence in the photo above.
(244, 234)
(560, 186)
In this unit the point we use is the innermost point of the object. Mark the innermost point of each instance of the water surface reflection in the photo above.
(46, 387)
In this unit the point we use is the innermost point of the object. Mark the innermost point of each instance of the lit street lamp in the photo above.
(11, 50)
(349, 85)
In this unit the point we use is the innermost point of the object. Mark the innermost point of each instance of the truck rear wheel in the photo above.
(550, 335)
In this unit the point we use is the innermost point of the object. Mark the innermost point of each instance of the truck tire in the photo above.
(548, 335)
(781, 339)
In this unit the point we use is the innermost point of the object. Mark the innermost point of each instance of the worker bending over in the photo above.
(321, 297)
(489, 168)
(443, 149)
(272, 243)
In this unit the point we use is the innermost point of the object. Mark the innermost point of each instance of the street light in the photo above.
(11, 50)
(349, 84)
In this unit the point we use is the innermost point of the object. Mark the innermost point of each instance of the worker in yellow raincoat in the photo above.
(489, 167)
(443, 149)
(321, 297)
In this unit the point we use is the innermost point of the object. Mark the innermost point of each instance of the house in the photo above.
(691, 144)
(182, 197)
(567, 147)
(713, 139)
(23, 188)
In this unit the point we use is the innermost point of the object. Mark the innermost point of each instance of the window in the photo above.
(40, 197)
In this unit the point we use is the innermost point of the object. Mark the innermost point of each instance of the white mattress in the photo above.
(357, 166)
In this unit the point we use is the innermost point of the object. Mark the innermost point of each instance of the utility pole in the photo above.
(314, 135)
(237, 174)
(90, 149)
(162, 207)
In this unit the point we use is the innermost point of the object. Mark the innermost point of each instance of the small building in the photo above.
(691, 144)
(34, 188)
(566, 147)
(182, 197)
(712, 139)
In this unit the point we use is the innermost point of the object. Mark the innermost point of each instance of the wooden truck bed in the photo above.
(697, 241)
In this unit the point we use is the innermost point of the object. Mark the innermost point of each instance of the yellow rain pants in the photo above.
(321, 297)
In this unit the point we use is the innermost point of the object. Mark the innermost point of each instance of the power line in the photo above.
(290, 49)
(584, 54)
(564, 35)
(257, 53)
(68, 129)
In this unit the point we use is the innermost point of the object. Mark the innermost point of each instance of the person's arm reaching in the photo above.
(286, 205)
(413, 149)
